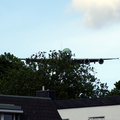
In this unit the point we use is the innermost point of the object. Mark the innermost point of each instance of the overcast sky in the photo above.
(90, 28)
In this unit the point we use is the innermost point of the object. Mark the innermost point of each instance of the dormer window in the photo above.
(10, 112)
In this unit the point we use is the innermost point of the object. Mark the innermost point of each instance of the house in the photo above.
(106, 108)
(45, 107)
(14, 107)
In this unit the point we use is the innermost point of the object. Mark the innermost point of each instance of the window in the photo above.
(97, 118)
(17, 117)
(10, 112)
(8, 117)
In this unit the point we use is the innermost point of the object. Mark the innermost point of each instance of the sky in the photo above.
(90, 28)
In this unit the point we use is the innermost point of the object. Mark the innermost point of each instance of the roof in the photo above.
(10, 106)
(87, 102)
(34, 108)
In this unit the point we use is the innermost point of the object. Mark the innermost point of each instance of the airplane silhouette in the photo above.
(73, 60)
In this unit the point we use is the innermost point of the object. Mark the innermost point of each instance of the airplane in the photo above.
(68, 53)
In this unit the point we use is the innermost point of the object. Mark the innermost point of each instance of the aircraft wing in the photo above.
(31, 59)
(81, 61)
(87, 60)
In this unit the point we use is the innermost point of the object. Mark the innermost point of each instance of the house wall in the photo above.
(109, 112)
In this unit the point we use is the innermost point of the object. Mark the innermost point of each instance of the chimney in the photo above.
(46, 93)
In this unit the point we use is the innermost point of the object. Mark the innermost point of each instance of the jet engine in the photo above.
(101, 61)
(86, 61)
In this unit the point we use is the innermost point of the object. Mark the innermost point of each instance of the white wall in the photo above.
(110, 113)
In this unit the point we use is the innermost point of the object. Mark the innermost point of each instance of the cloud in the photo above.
(97, 13)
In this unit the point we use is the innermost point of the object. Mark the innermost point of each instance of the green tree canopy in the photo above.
(115, 91)
(55, 72)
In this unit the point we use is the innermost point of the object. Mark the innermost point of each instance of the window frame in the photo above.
(97, 118)
(14, 116)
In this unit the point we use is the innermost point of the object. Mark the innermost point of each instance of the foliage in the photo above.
(116, 90)
(55, 72)
(15, 76)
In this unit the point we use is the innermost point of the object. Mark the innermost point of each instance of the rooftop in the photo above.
(34, 108)
(87, 102)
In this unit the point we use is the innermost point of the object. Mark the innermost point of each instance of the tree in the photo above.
(115, 91)
(15, 76)
(70, 81)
